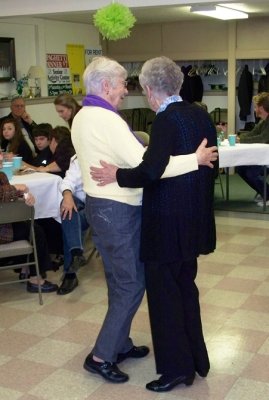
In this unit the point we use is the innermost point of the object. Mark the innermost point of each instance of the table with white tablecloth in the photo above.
(243, 154)
(46, 189)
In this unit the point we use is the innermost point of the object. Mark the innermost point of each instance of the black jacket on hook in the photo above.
(192, 88)
(245, 93)
(263, 84)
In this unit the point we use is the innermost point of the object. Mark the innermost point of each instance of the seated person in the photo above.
(253, 174)
(20, 231)
(23, 118)
(12, 140)
(74, 225)
(62, 149)
(41, 135)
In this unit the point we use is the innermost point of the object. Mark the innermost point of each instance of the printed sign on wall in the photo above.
(59, 80)
(76, 59)
(90, 53)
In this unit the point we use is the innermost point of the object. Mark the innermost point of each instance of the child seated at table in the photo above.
(12, 140)
(41, 134)
(62, 150)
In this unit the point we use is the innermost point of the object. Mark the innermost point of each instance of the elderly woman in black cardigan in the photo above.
(177, 224)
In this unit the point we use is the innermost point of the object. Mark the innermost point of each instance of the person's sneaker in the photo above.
(260, 203)
(77, 263)
(46, 287)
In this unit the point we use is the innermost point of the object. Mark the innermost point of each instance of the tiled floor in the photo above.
(42, 348)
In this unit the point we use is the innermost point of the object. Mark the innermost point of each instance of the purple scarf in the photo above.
(96, 101)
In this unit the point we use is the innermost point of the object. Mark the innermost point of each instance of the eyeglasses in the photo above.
(125, 83)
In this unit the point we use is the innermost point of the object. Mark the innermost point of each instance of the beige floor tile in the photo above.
(225, 298)
(246, 239)
(237, 285)
(13, 343)
(95, 314)
(229, 258)
(80, 332)
(243, 340)
(257, 369)
(256, 261)
(15, 374)
(204, 280)
(52, 352)
(40, 324)
(10, 317)
(253, 320)
(67, 385)
(65, 308)
(236, 248)
(257, 303)
(4, 359)
(262, 289)
(8, 394)
(261, 250)
(248, 389)
(249, 272)
(219, 268)
(226, 358)
(95, 294)
(264, 348)
(117, 392)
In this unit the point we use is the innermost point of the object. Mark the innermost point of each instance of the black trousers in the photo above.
(21, 231)
(174, 311)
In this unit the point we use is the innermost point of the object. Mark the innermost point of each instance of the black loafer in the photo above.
(135, 352)
(107, 370)
(202, 372)
(68, 285)
(166, 383)
(47, 287)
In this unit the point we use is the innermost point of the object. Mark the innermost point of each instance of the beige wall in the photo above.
(200, 40)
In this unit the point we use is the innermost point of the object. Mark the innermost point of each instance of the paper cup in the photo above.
(232, 140)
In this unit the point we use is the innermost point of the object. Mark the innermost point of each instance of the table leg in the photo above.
(264, 187)
(227, 183)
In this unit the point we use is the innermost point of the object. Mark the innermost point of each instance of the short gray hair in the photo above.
(162, 75)
(99, 69)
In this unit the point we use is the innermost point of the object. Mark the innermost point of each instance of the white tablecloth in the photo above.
(243, 154)
(46, 189)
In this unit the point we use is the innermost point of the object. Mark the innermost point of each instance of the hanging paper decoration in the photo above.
(114, 21)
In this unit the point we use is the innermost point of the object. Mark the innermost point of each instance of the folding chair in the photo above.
(18, 211)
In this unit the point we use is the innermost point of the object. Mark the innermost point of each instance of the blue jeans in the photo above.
(116, 235)
(73, 231)
(253, 175)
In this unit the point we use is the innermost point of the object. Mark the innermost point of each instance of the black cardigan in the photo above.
(177, 213)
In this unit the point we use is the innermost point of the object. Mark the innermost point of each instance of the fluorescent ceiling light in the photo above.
(218, 12)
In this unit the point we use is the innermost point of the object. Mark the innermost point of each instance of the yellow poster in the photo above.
(76, 58)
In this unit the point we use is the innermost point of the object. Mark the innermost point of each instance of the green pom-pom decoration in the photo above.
(114, 21)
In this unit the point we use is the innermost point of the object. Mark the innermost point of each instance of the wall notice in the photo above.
(59, 80)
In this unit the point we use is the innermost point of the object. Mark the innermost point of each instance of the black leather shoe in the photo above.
(166, 383)
(47, 287)
(68, 285)
(202, 372)
(135, 352)
(107, 370)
